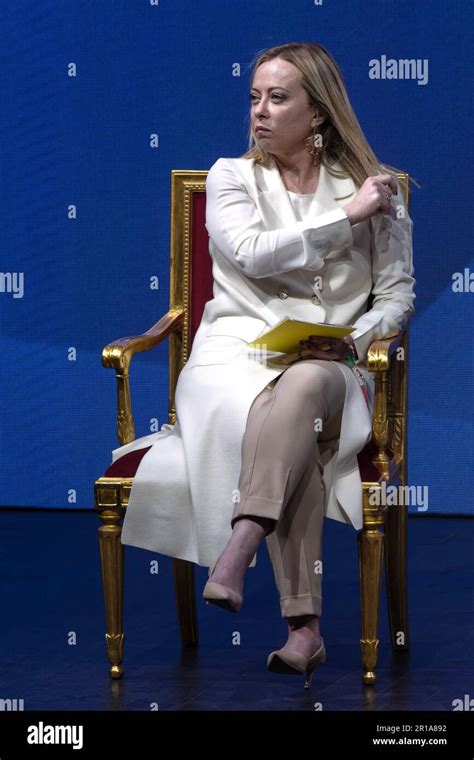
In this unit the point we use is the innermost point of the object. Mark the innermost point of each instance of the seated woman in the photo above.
(308, 224)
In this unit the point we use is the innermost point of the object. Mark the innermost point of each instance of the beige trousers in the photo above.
(281, 474)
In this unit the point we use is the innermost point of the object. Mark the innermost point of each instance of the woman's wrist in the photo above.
(350, 214)
(350, 341)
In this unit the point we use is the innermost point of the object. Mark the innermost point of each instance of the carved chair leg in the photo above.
(370, 542)
(396, 575)
(112, 562)
(183, 574)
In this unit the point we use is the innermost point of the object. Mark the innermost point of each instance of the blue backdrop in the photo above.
(85, 206)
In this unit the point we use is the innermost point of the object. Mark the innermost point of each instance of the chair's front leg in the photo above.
(370, 542)
(183, 573)
(112, 562)
(396, 575)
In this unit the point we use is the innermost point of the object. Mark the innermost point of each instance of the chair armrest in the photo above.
(380, 352)
(118, 355)
(379, 357)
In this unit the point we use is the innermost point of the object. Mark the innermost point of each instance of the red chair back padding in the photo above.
(201, 264)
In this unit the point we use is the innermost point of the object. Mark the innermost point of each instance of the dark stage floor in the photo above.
(52, 646)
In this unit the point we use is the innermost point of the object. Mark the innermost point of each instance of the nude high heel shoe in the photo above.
(294, 663)
(222, 596)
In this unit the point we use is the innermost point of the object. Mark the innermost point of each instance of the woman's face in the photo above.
(280, 104)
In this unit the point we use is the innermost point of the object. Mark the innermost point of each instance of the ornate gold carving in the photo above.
(369, 652)
(380, 422)
(111, 556)
(112, 494)
(115, 649)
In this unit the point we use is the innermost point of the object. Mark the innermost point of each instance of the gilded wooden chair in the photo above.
(383, 460)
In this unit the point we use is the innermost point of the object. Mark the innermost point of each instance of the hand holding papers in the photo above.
(285, 336)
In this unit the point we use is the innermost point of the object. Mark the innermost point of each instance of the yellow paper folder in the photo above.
(286, 334)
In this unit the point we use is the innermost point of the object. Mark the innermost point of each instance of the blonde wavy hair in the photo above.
(342, 137)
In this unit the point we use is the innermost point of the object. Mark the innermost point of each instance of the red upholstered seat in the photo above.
(126, 466)
(368, 471)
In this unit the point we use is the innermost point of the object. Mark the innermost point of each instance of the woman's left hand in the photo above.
(338, 349)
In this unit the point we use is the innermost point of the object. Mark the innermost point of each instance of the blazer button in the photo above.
(282, 293)
(315, 298)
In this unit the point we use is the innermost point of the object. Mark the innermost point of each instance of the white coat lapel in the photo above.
(331, 192)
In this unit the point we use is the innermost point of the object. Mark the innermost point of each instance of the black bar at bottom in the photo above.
(81, 734)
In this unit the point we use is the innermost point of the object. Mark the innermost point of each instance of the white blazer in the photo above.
(264, 263)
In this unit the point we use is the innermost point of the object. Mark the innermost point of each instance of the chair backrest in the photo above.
(190, 266)
(191, 287)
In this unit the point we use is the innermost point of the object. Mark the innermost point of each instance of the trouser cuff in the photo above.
(258, 507)
(305, 604)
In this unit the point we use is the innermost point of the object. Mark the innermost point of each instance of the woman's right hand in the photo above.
(370, 198)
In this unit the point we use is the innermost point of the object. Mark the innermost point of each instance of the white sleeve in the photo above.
(236, 227)
(392, 277)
